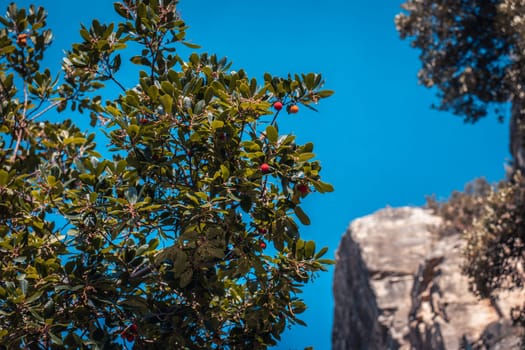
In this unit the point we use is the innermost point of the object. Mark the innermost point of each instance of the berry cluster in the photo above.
(129, 333)
(291, 109)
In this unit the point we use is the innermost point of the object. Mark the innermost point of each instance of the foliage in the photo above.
(471, 51)
(159, 241)
(495, 251)
(490, 218)
(462, 207)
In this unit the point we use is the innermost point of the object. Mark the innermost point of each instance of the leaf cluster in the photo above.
(178, 237)
(495, 249)
(490, 219)
(471, 51)
(462, 208)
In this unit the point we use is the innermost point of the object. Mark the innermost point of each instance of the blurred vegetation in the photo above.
(491, 220)
(473, 54)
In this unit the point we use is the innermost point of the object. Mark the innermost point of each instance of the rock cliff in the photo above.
(398, 285)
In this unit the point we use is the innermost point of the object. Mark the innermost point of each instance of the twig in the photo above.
(51, 106)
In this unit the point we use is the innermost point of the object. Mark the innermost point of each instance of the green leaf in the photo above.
(185, 278)
(167, 87)
(308, 147)
(51, 180)
(167, 103)
(136, 303)
(325, 93)
(87, 178)
(245, 90)
(306, 156)
(113, 111)
(119, 8)
(6, 50)
(140, 60)
(309, 81)
(309, 249)
(298, 306)
(323, 187)
(246, 203)
(225, 172)
(299, 249)
(55, 339)
(34, 297)
(191, 45)
(121, 165)
(271, 133)
(202, 195)
(153, 92)
(300, 322)
(321, 253)
(217, 124)
(4, 177)
(326, 261)
(74, 140)
(208, 94)
(301, 215)
(194, 199)
(199, 107)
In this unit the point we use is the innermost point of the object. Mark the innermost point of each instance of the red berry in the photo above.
(143, 121)
(133, 328)
(262, 230)
(262, 245)
(265, 168)
(303, 188)
(293, 109)
(130, 337)
(278, 105)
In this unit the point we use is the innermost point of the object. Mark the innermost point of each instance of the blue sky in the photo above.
(378, 140)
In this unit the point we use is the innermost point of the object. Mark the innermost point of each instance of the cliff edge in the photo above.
(398, 285)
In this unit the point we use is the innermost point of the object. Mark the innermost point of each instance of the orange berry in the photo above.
(21, 40)
(293, 109)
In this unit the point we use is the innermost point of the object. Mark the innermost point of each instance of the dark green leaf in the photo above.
(271, 133)
(301, 215)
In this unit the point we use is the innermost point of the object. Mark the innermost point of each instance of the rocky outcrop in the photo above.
(398, 285)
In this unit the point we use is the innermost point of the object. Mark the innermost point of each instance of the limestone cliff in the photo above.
(398, 285)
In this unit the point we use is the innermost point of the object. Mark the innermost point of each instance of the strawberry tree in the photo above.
(184, 232)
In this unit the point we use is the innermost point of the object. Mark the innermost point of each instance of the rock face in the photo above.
(397, 285)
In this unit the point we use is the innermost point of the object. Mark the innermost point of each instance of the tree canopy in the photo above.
(184, 233)
(473, 53)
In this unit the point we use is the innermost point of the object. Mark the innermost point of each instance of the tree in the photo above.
(473, 52)
(163, 239)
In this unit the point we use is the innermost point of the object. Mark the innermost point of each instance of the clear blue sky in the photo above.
(379, 142)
